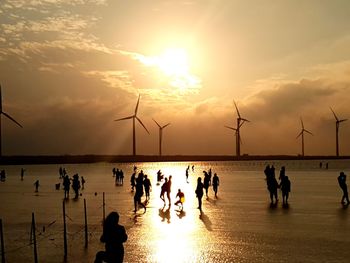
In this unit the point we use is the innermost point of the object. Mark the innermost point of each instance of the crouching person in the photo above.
(114, 235)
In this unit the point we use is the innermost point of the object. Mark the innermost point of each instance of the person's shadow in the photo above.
(164, 214)
(180, 213)
(205, 219)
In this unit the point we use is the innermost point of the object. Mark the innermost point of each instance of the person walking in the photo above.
(199, 193)
(344, 187)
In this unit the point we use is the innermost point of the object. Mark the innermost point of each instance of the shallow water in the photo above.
(239, 226)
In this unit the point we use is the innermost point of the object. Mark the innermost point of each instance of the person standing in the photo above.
(168, 190)
(147, 184)
(344, 187)
(164, 189)
(199, 193)
(285, 188)
(66, 186)
(216, 183)
(22, 174)
(139, 192)
(114, 235)
(36, 184)
(76, 185)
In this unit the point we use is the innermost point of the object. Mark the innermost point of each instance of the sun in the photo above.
(174, 62)
(173, 67)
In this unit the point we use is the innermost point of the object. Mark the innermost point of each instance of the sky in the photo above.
(69, 68)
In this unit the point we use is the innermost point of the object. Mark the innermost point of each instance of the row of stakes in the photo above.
(33, 232)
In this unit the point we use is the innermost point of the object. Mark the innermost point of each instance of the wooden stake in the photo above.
(104, 207)
(64, 231)
(34, 239)
(2, 243)
(86, 226)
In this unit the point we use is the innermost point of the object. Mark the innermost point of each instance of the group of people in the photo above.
(141, 184)
(119, 176)
(76, 182)
(273, 185)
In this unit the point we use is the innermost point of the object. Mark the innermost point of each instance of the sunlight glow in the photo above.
(174, 65)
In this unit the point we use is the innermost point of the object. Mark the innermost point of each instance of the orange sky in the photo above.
(69, 68)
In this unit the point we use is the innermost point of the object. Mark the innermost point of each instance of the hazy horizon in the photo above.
(68, 69)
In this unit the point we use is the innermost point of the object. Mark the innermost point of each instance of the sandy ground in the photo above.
(239, 226)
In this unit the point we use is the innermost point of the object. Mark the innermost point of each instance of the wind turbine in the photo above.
(6, 115)
(134, 117)
(302, 136)
(337, 124)
(160, 135)
(240, 122)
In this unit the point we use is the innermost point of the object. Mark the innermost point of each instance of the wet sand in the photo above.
(239, 226)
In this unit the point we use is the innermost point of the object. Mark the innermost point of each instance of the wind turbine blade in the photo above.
(302, 124)
(12, 119)
(166, 125)
(126, 118)
(137, 105)
(299, 134)
(156, 123)
(245, 120)
(239, 115)
(142, 124)
(343, 120)
(308, 132)
(335, 116)
(228, 127)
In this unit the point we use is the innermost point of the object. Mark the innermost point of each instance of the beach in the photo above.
(239, 226)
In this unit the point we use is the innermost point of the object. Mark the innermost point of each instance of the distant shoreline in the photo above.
(73, 159)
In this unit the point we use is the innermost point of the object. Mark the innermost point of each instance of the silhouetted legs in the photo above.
(137, 202)
(345, 195)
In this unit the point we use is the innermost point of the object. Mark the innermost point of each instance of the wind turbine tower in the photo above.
(7, 116)
(302, 136)
(160, 135)
(337, 125)
(239, 123)
(134, 118)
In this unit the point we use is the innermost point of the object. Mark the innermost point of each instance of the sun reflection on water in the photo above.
(173, 235)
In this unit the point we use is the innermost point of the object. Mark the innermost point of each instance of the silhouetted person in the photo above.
(159, 176)
(133, 180)
(114, 172)
(22, 173)
(207, 181)
(82, 182)
(216, 183)
(192, 168)
(139, 192)
(282, 173)
(168, 190)
(3, 175)
(181, 199)
(326, 166)
(344, 187)
(164, 189)
(121, 176)
(321, 165)
(285, 188)
(114, 235)
(271, 182)
(76, 185)
(199, 192)
(147, 184)
(187, 173)
(66, 186)
(36, 184)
